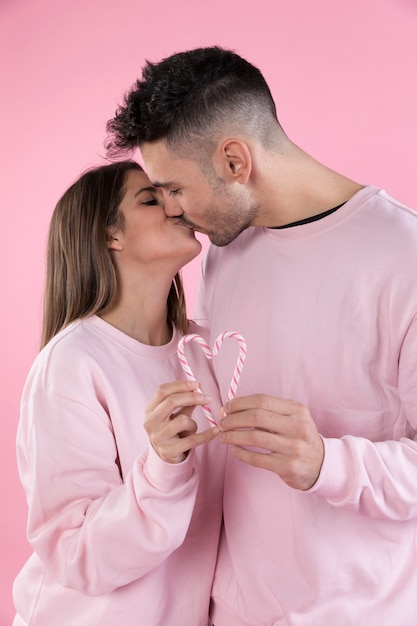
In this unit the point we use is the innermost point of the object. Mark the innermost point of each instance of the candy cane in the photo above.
(209, 354)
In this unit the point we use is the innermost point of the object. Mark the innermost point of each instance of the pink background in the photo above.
(343, 73)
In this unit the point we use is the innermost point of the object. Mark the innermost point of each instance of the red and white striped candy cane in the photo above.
(209, 353)
(240, 358)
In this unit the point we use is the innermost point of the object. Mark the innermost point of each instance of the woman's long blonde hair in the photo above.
(81, 279)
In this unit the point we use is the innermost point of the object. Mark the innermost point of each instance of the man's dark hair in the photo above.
(188, 94)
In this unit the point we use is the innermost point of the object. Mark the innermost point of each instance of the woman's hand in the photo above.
(170, 427)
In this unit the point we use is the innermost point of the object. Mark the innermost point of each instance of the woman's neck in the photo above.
(142, 317)
(155, 334)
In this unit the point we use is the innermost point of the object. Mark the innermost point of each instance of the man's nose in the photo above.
(172, 207)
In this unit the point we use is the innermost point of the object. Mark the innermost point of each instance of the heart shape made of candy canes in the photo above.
(210, 353)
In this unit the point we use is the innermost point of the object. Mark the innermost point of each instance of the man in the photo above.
(319, 274)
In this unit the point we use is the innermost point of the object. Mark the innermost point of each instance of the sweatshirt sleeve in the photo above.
(378, 479)
(93, 531)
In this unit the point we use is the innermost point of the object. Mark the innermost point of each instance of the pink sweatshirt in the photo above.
(119, 536)
(328, 310)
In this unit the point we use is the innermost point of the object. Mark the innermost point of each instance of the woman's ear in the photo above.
(235, 161)
(113, 239)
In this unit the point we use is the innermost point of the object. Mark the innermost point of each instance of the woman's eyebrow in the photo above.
(151, 188)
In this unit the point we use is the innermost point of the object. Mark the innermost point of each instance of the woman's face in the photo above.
(148, 238)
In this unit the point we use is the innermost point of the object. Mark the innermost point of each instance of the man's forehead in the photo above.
(155, 150)
(164, 167)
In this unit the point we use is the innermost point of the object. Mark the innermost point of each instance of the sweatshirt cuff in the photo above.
(167, 476)
(334, 480)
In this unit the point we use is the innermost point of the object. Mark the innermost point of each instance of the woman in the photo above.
(124, 523)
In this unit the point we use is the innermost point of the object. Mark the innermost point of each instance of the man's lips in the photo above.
(186, 224)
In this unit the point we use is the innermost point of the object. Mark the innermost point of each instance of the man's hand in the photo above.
(283, 429)
(171, 430)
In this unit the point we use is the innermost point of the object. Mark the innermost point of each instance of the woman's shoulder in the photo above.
(63, 356)
(72, 339)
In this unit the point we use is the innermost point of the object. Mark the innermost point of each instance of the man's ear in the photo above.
(235, 160)
(113, 238)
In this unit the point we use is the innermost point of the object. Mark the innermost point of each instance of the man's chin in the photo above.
(223, 239)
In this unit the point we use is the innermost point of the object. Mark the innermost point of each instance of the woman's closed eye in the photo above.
(149, 196)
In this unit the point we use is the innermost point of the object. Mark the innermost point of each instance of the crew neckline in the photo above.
(315, 227)
(312, 218)
(133, 345)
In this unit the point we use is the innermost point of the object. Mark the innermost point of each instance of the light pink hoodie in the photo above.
(120, 538)
(328, 310)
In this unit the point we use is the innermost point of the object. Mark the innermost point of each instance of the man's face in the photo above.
(204, 202)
